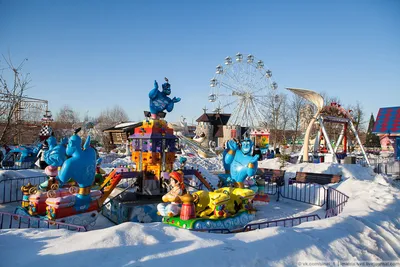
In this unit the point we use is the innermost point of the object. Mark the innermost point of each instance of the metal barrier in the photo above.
(314, 194)
(271, 189)
(217, 231)
(335, 202)
(18, 165)
(309, 193)
(386, 165)
(12, 221)
(10, 189)
(287, 222)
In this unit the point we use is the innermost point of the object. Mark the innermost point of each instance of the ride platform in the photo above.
(232, 223)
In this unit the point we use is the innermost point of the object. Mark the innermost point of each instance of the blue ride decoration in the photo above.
(56, 154)
(240, 162)
(159, 101)
(21, 157)
(54, 157)
(81, 167)
(230, 223)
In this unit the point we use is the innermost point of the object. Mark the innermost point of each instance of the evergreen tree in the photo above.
(372, 140)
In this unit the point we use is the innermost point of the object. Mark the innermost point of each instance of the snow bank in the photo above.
(367, 230)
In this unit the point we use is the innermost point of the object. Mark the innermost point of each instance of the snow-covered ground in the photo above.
(366, 230)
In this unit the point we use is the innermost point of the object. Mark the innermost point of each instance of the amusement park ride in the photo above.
(24, 156)
(72, 196)
(333, 113)
(242, 87)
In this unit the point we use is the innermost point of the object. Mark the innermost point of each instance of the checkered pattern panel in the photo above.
(45, 131)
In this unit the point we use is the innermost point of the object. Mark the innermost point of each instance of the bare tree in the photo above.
(329, 99)
(297, 106)
(67, 115)
(66, 119)
(274, 109)
(357, 111)
(10, 98)
(285, 117)
(110, 117)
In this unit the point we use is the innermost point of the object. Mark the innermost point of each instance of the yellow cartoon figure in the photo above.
(211, 204)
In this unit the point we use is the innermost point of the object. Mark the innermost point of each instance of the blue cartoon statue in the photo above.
(56, 155)
(81, 167)
(54, 158)
(240, 161)
(159, 101)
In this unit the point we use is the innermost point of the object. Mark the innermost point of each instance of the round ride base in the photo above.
(231, 223)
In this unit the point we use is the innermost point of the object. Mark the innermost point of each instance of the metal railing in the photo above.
(271, 188)
(12, 221)
(287, 222)
(335, 202)
(385, 165)
(273, 180)
(18, 165)
(10, 189)
(217, 231)
(310, 193)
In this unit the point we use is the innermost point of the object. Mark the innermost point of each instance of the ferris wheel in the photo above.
(242, 87)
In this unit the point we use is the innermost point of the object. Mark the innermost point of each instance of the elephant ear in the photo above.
(87, 143)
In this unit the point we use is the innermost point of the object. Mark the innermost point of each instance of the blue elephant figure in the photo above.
(81, 167)
(240, 161)
(159, 101)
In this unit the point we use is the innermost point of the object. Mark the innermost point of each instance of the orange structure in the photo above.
(153, 151)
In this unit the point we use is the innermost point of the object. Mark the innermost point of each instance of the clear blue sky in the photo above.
(94, 54)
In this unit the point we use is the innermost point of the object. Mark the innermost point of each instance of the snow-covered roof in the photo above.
(126, 124)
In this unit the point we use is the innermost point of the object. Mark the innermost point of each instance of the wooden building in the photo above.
(119, 133)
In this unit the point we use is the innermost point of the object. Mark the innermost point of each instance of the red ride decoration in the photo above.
(188, 211)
